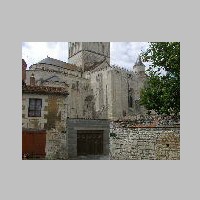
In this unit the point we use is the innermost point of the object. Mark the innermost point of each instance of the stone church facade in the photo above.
(67, 107)
(97, 89)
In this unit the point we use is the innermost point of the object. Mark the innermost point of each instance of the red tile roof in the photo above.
(44, 90)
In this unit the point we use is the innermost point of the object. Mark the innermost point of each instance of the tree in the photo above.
(161, 92)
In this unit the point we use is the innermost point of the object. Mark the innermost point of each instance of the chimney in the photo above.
(24, 66)
(32, 80)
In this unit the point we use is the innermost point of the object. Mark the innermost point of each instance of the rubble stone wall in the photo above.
(130, 142)
(56, 145)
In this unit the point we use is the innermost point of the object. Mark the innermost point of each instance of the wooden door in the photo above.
(33, 144)
(89, 142)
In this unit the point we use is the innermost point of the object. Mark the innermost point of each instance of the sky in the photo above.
(123, 54)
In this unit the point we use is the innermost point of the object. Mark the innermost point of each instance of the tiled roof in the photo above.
(58, 63)
(44, 90)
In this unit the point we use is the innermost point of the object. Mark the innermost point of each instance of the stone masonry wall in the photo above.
(56, 145)
(130, 142)
(53, 121)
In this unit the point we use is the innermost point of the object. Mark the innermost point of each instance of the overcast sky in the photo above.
(123, 54)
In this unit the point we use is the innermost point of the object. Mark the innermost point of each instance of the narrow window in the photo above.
(130, 101)
(35, 106)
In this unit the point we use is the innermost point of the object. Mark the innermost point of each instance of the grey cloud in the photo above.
(26, 45)
(123, 54)
(52, 45)
(62, 51)
(126, 53)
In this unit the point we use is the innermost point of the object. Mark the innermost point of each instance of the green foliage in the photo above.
(162, 89)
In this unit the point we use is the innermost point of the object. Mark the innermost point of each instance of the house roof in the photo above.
(44, 90)
(58, 63)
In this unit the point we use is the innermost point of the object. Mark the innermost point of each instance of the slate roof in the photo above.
(58, 63)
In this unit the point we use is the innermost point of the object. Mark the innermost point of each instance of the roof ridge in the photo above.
(52, 59)
(57, 63)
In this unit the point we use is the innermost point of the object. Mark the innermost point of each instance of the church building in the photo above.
(70, 104)
(97, 89)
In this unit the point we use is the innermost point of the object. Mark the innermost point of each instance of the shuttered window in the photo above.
(35, 106)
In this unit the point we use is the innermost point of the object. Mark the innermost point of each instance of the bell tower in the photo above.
(139, 67)
(88, 54)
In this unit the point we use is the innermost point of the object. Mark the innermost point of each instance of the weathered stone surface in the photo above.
(56, 145)
(133, 144)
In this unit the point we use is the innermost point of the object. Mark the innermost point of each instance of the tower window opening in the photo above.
(130, 101)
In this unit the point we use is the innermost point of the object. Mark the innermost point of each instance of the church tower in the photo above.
(139, 67)
(87, 55)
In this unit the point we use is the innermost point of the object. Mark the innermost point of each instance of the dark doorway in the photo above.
(89, 142)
